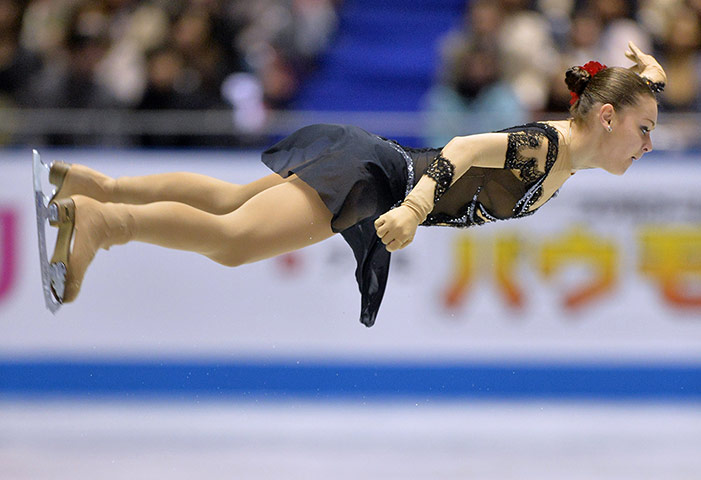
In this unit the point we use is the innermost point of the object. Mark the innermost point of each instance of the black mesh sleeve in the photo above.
(442, 171)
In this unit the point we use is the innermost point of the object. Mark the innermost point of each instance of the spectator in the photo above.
(529, 54)
(619, 28)
(133, 28)
(581, 45)
(17, 64)
(471, 95)
(69, 80)
(682, 60)
(205, 68)
(473, 98)
(170, 86)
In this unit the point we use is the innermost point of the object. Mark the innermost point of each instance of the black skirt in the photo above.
(359, 176)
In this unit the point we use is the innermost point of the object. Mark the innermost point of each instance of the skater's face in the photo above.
(629, 136)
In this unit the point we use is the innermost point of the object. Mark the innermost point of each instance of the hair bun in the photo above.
(577, 79)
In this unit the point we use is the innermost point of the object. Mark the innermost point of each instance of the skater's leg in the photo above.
(200, 191)
(280, 219)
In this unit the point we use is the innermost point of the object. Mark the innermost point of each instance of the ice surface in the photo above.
(139, 440)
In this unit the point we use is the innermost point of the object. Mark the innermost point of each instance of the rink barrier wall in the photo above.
(598, 296)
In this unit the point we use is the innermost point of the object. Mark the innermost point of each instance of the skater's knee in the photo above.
(236, 249)
(113, 186)
(110, 185)
(227, 200)
(232, 257)
(230, 260)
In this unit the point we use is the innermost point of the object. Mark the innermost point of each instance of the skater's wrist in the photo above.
(418, 211)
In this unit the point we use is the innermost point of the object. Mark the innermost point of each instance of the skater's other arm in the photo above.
(397, 227)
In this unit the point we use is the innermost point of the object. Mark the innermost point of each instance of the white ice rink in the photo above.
(42, 440)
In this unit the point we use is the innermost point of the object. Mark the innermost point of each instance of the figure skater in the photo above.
(341, 179)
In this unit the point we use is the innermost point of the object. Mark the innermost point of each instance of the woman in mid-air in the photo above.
(340, 179)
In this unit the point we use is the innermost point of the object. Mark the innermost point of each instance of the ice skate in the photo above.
(52, 276)
(84, 226)
(63, 284)
(73, 179)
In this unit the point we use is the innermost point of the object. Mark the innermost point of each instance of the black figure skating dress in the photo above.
(360, 176)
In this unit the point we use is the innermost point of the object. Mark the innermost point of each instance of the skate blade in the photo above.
(52, 276)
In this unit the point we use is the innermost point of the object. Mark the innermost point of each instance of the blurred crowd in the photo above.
(506, 62)
(160, 54)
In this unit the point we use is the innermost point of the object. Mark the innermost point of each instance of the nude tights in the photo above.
(231, 224)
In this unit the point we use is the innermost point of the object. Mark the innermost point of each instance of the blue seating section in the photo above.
(384, 57)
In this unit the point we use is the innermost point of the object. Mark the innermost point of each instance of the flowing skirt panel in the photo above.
(359, 176)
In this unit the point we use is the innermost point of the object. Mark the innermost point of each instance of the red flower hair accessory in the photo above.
(592, 68)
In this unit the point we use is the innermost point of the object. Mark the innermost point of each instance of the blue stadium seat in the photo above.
(384, 56)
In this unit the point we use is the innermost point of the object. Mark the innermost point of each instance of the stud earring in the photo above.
(609, 129)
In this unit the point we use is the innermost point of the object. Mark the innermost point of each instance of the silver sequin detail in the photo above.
(486, 214)
(409, 168)
(471, 209)
(527, 200)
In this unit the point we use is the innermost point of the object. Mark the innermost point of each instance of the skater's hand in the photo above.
(397, 227)
(645, 65)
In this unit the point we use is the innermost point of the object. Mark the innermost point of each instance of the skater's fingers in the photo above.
(635, 49)
(386, 234)
(403, 244)
(387, 238)
(394, 245)
(381, 226)
(641, 57)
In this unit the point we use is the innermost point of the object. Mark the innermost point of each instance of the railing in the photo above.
(676, 131)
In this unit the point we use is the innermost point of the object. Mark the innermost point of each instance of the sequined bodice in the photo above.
(490, 194)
